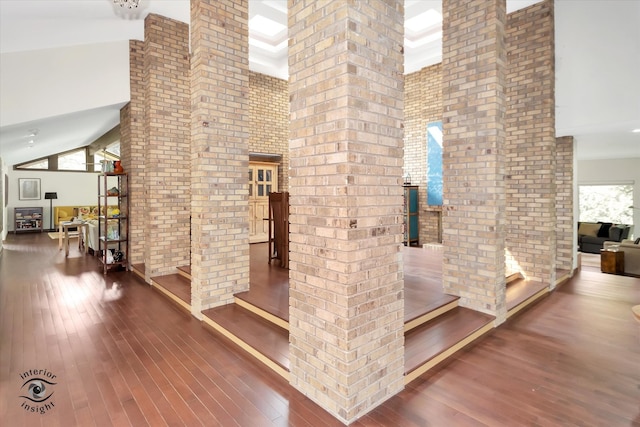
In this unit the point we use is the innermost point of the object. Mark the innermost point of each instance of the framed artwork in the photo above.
(29, 188)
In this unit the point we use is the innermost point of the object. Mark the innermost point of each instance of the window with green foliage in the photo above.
(606, 203)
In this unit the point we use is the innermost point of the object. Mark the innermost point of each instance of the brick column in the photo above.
(132, 147)
(531, 143)
(565, 233)
(346, 283)
(473, 84)
(219, 152)
(167, 152)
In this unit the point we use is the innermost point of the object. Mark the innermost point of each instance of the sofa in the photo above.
(631, 251)
(592, 235)
(67, 213)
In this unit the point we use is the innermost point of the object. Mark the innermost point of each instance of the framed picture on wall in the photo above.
(29, 188)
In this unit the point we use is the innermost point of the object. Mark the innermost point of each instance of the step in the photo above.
(138, 269)
(175, 287)
(522, 293)
(185, 271)
(262, 339)
(435, 341)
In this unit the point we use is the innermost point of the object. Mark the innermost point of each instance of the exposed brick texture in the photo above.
(474, 71)
(132, 150)
(565, 238)
(167, 160)
(531, 143)
(346, 282)
(422, 105)
(269, 121)
(219, 151)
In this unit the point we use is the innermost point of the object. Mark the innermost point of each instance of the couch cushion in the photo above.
(615, 233)
(589, 229)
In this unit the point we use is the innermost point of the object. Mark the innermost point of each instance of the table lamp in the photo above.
(51, 197)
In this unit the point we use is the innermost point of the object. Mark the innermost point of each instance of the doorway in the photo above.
(263, 179)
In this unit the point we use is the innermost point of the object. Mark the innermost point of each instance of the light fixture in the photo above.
(128, 4)
(129, 9)
(636, 130)
(51, 197)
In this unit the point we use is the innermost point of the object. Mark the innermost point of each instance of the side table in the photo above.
(63, 235)
(612, 261)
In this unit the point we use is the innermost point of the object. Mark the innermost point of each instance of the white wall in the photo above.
(73, 188)
(52, 82)
(614, 171)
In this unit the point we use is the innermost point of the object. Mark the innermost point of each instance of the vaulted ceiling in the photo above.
(64, 67)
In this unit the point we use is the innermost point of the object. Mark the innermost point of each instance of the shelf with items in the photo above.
(27, 219)
(113, 223)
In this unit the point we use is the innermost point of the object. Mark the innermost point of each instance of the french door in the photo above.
(263, 179)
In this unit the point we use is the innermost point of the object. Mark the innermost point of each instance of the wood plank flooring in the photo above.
(124, 356)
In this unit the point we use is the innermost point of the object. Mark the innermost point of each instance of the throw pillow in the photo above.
(604, 229)
(589, 229)
(615, 234)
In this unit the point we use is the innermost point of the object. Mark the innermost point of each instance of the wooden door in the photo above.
(263, 179)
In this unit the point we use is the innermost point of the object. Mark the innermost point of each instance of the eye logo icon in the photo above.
(37, 390)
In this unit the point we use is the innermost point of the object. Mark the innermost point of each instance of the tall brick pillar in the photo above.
(565, 233)
(133, 152)
(474, 68)
(531, 143)
(219, 152)
(167, 152)
(346, 282)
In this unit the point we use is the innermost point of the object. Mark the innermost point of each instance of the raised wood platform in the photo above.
(435, 327)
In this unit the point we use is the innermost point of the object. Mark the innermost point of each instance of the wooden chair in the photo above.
(279, 228)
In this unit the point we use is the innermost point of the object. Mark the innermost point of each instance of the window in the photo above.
(606, 203)
(37, 164)
(73, 161)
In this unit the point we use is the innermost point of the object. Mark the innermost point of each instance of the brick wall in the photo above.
(422, 105)
(269, 121)
(474, 72)
(531, 143)
(346, 299)
(133, 153)
(219, 151)
(564, 203)
(167, 160)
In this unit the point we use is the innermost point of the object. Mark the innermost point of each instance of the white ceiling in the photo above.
(51, 82)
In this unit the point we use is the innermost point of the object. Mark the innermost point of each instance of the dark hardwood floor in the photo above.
(123, 356)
